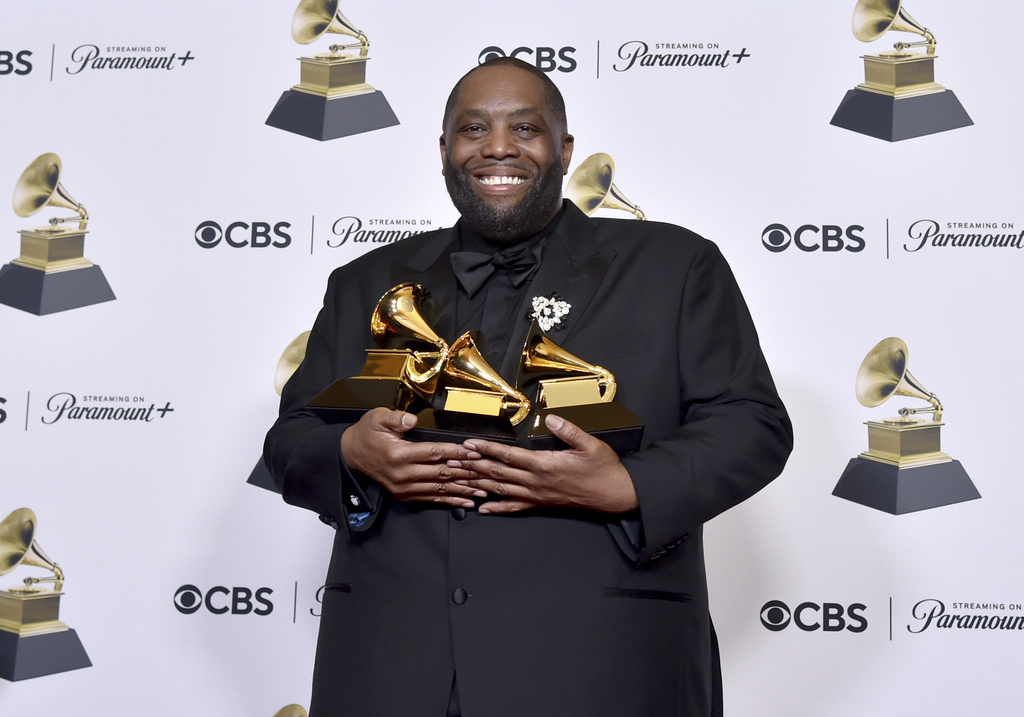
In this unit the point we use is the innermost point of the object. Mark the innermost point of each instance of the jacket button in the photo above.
(458, 513)
(459, 596)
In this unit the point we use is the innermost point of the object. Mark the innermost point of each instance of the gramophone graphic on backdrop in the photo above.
(332, 98)
(33, 641)
(903, 469)
(899, 98)
(51, 274)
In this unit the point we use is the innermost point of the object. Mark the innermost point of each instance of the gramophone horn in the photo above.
(874, 18)
(464, 368)
(39, 186)
(547, 362)
(883, 373)
(18, 545)
(289, 362)
(590, 187)
(399, 320)
(314, 18)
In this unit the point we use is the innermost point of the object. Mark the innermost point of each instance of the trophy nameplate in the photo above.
(51, 273)
(332, 98)
(33, 640)
(904, 469)
(899, 98)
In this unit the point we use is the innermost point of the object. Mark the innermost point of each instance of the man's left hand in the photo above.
(587, 474)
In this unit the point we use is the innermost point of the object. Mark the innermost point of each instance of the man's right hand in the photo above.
(410, 471)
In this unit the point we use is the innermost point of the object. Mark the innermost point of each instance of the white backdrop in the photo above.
(135, 511)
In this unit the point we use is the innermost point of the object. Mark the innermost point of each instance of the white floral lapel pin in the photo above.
(549, 311)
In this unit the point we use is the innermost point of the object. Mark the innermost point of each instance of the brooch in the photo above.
(548, 311)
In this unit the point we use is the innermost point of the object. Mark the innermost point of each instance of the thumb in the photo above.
(396, 421)
(568, 431)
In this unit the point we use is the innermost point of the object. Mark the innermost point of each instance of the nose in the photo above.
(501, 143)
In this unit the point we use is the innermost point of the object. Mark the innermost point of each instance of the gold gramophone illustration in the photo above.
(591, 187)
(576, 390)
(452, 389)
(33, 640)
(332, 98)
(899, 98)
(904, 468)
(51, 274)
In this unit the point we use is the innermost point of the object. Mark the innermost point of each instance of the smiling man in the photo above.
(488, 580)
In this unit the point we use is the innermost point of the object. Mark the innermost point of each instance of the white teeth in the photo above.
(501, 180)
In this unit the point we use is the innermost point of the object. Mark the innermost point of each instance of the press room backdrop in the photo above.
(195, 592)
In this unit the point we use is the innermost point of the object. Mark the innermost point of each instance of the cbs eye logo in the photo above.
(543, 57)
(808, 237)
(220, 600)
(239, 234)
(828, 617)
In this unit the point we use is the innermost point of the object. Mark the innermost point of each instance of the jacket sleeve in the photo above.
(302, 450)
(733, 435)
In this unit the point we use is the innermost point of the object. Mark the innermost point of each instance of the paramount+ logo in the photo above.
(811, 617)
(811, 237)
(545, 59)
(254, 235)
(221, 600)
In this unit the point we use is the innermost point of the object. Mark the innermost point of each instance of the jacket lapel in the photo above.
(573, 267)
(431, 267)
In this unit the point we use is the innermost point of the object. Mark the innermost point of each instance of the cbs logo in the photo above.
(543, 57)
(3, 413)
(809, 617)
(219, 600)
(239, 234)
(828, 238)
(15, 62)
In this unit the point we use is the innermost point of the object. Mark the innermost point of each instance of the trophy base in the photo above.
(260, 477)
(347, 399)
(894, 119)
(895, 490)
(38, 292)
(456, 427)
(321, 118)
(612, 422)
(26, 656)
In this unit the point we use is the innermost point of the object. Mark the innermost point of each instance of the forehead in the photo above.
(501, 91)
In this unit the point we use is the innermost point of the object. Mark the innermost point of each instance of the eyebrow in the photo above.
(522, 112)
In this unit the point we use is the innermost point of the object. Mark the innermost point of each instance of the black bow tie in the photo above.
(473, 269)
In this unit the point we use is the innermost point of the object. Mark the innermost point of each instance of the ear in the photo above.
(444, 147)
(567, 145)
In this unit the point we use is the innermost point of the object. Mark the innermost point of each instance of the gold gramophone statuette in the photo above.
(33, 640)
(591, 187)
(899, 97)
(51, 274)
(904, 468)
(332, 98)
(576, 390)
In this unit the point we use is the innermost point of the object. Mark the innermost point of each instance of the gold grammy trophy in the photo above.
(468, 397)
(899, 97)
(452, 389)
(903, 469)
(289, 362)
(51, 274)
(332, 98)
(33, 641)
(577, 391)
(591, 188)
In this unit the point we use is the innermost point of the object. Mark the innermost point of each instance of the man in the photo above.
(490, 580)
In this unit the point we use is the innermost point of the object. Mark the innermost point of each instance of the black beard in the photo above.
(507, 224)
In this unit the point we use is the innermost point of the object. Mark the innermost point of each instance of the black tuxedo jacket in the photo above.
(548, 612)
